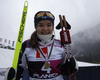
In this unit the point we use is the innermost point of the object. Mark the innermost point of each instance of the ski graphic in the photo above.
(20, 36)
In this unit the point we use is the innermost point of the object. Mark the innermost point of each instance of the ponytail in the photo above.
(33, 40)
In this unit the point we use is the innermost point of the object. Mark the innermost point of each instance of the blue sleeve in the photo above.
(24, 45)
(20, 69)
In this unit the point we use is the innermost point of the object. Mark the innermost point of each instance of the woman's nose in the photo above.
(45, 28)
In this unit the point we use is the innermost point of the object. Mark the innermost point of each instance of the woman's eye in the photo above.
(41, 25)
(49, 25)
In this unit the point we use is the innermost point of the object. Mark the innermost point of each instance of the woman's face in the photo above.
(44, 27)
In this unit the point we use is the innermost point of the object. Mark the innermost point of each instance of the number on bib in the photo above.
(44, 69)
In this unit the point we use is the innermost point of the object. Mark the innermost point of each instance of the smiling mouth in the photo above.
(45, 33)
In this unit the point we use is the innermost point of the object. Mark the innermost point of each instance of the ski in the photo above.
(20, 36)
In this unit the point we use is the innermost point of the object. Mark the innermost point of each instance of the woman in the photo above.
(42, 54)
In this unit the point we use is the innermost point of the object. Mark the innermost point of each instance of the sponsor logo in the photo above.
(2, 73)
(65, 36)
(21, 28)
(44, 76)
(44, 50)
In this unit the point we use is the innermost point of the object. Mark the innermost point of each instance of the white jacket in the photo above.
(34, 60)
